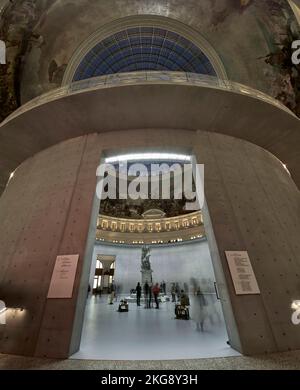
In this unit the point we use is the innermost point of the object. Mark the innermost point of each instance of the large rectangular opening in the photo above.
(152, 288)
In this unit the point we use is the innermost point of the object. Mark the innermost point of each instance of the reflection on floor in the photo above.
(147, 334)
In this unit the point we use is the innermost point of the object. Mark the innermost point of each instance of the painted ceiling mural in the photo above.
(252, 38)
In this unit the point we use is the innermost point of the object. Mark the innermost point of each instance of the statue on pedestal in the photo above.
(146, 266)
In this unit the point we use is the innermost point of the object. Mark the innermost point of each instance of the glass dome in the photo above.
(143, 48)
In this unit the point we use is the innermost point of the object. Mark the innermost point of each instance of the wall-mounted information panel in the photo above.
(242, 273)
(63, 277)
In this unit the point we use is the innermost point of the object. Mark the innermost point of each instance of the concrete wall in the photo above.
(46, 210)
(255, 206)
(171, 263)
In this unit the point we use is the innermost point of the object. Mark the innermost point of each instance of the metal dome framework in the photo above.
(143, 48)
(143, 43)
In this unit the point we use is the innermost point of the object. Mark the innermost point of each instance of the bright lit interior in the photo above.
(147, 157)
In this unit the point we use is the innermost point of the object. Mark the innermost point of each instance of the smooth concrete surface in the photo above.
(150, 334)
(253, 205)
(160, 105)
(52, 198)
(46, 210)
(85, 273)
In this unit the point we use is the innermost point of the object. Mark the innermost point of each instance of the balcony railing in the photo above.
(147, 77)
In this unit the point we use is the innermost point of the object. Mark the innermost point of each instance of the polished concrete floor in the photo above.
(147, 334)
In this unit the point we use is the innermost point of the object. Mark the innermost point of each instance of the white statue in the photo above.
(146, 266)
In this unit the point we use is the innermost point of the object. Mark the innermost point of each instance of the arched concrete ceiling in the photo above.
(155, 105)
(43, 35)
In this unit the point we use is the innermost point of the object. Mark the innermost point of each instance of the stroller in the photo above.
(181, 309)
(182, 312)
(123, 306)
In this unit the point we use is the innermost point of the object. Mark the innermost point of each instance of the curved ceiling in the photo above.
(159, 106)
(243, 33)
(143, 48)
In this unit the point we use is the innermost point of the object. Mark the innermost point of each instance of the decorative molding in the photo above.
(155, 230)
(153, 213)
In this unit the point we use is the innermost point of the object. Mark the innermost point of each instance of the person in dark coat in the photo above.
(138, 290)
(173, 293)
(150, 304)
(164, 287)
(146, 294)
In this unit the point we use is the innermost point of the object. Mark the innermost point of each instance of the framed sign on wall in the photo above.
(242, 273)
(63, 277)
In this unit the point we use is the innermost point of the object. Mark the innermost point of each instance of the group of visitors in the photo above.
(151, 292)
(193, 302)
